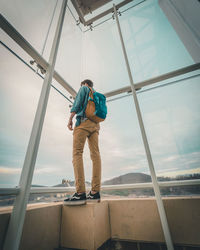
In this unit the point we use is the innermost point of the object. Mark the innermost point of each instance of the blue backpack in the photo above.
(96, 109)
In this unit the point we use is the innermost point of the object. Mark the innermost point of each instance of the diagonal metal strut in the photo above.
(26, 46)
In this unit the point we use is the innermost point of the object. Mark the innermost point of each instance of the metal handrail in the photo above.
(9, 191)
(43, 190)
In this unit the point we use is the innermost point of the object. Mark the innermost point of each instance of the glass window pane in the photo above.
(103, 59)
(19, 93)
(153, 47)
(171, 116)
(54, 161)
(31, 19)
(68, 63)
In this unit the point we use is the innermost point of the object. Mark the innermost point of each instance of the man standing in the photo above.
(84, 129)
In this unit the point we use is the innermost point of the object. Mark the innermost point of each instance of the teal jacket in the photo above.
(80, 104)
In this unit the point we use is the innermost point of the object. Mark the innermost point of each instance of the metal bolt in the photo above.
(32, 62)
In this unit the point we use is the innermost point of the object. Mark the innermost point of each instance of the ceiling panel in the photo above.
(87, 6)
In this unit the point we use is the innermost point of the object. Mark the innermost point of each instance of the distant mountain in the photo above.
(129, 178)
(147, 192)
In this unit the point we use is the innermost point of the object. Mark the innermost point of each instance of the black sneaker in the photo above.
(93, 197)
(75, 199)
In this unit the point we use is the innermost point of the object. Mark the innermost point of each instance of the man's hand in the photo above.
(70, 124)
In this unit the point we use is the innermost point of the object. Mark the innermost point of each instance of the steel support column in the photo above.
(146, 145)
(16, 222)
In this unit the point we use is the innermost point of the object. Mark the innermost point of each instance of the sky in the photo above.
(171, 114)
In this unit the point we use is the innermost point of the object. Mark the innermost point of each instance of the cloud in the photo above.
(179, 160)
(133, 167)
(47, 170)
(171, 158)
(10, 171)
(41, 170)
(180, 172)
(166, 169)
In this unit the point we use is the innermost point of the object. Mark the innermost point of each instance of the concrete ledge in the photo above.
(85, 227)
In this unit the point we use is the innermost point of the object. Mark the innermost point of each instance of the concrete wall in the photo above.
(138, 219)
(185, 18)
(131, 220)
(89, 226)
(41, 228)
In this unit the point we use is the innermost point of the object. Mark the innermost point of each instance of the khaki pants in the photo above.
(90, 130)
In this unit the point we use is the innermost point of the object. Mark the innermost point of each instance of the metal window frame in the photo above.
(93, 19)
(110, 10)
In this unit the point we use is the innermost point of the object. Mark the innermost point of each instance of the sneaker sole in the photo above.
(74, 203)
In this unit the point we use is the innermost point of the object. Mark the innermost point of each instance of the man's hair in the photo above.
(89, 82)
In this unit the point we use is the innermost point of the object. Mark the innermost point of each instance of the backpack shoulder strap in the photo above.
(91, 92)
(91, 89)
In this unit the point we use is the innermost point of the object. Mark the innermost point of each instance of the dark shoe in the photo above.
(93, 197)
(75, 199)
